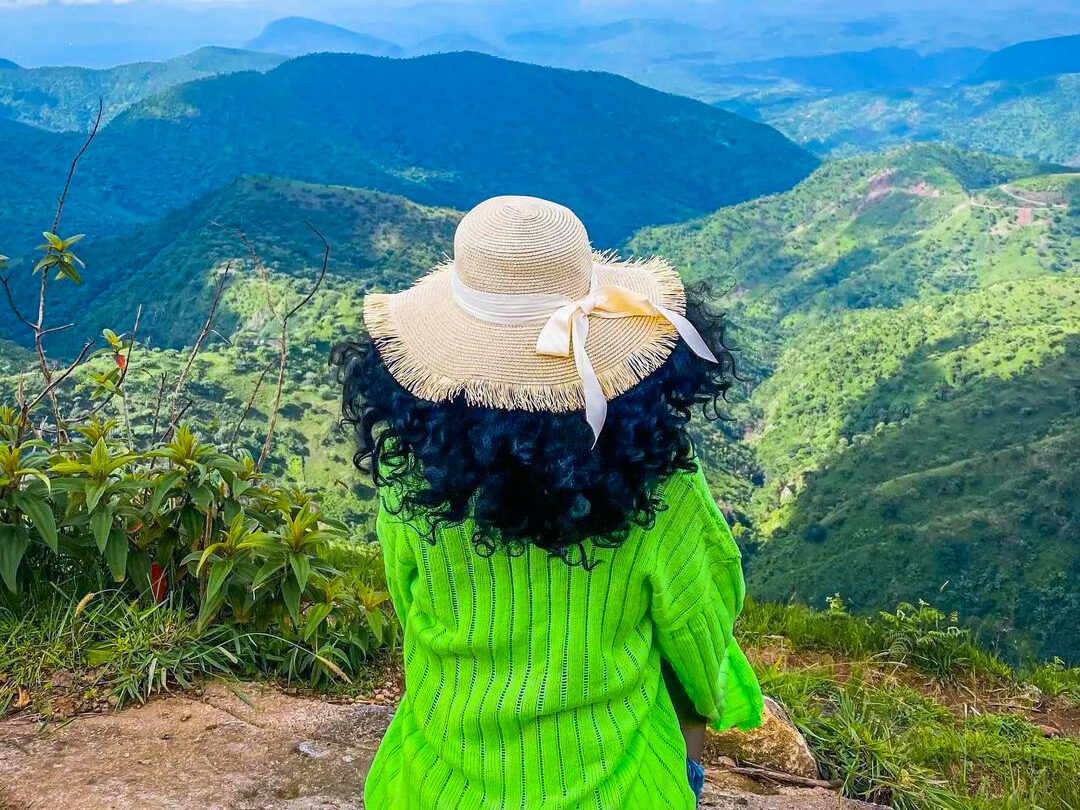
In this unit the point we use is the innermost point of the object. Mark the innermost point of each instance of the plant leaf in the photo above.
(101, 523)
(41, 515)
(13, 543)
(116, 553)
(301, 567)
(291, 594)
(219, 572)
(94, 491)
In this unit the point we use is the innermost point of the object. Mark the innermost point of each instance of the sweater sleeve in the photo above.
(398, 561)
(697, 593)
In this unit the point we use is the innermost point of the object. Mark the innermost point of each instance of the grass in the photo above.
(102, 646)
(895, 708)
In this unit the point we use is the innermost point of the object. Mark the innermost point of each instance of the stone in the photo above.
(313, 750)
(775, 744)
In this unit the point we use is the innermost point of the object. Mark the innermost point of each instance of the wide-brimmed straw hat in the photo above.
(527, 316)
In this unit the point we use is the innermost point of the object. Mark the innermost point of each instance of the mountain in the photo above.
(168, 265)
(7, 64)
(66, 98)
(1031, 60)
(912, 324)
(854, 70)
(447, 130)
(1039, 119)
(295, 36)
(448, 43)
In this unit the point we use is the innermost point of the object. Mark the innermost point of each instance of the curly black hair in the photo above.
(534, 477)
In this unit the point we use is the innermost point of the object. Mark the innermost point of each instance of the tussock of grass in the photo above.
(105, 645)
(881, 740)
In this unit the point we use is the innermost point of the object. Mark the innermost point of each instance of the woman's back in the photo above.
(534, 683)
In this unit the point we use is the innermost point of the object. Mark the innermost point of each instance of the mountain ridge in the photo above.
(503, 129)
(295, 36)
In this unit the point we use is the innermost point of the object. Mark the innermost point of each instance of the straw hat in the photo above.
(527, 316)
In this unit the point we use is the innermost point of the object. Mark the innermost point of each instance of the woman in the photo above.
(545, 565)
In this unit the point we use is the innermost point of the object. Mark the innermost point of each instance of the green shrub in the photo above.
(186, 523)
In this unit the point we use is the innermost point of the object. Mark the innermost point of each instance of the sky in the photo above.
(101, 33)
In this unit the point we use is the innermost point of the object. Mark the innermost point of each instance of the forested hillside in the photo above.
(1036, 119)
(66, 98)
(168, 266)
(1022, 100)
(449, 129)
(912, 321)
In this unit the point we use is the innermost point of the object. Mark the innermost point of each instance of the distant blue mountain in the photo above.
(295, 36)
(449, 43)
(855, 70)
(1031, 60)
(7, 64)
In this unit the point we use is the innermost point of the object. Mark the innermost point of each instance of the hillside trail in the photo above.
(249, 747)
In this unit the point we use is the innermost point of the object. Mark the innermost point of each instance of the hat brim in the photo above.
(438, 352)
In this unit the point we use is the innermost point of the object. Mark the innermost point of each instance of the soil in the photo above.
(246, 747)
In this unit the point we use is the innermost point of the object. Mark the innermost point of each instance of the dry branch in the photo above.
(197, 346)
(265, 452)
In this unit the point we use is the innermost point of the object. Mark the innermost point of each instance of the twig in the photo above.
(49, 391)
(157, 402)
(265, 452)
(38, 326)
(755, 772)
(175, 421)
(251, 402)
(11, 301)
(260, 268)
(198, 344)
(75, 163)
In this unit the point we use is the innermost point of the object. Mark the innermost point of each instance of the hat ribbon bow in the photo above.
(566, 329)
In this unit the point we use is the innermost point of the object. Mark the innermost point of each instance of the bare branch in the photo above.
(198, 343)
(53, 329)
(265, 452)
(322, 274)
(175, 421)
(260, 268)
(158, 401)
(49, 391)
(11, 302)
(251, 402)
(75, 163)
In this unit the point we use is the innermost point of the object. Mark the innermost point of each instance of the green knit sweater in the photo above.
(534, 684)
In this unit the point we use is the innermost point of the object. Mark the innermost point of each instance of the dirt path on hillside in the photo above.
(267, 751)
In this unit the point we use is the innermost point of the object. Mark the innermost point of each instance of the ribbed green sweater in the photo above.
(534, 684)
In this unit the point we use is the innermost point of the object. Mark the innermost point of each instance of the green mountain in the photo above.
(66, 98)
(449, 130)
(1032, 60)
(295, 36)
(912, 322)
(171, 266)
(1038, 119)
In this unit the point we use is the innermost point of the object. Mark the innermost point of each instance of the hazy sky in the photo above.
(107, 32)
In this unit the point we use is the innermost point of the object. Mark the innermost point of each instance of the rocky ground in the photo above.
(251, 747)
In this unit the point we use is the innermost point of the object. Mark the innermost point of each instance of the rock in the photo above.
(775, 744)
(313, 750)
